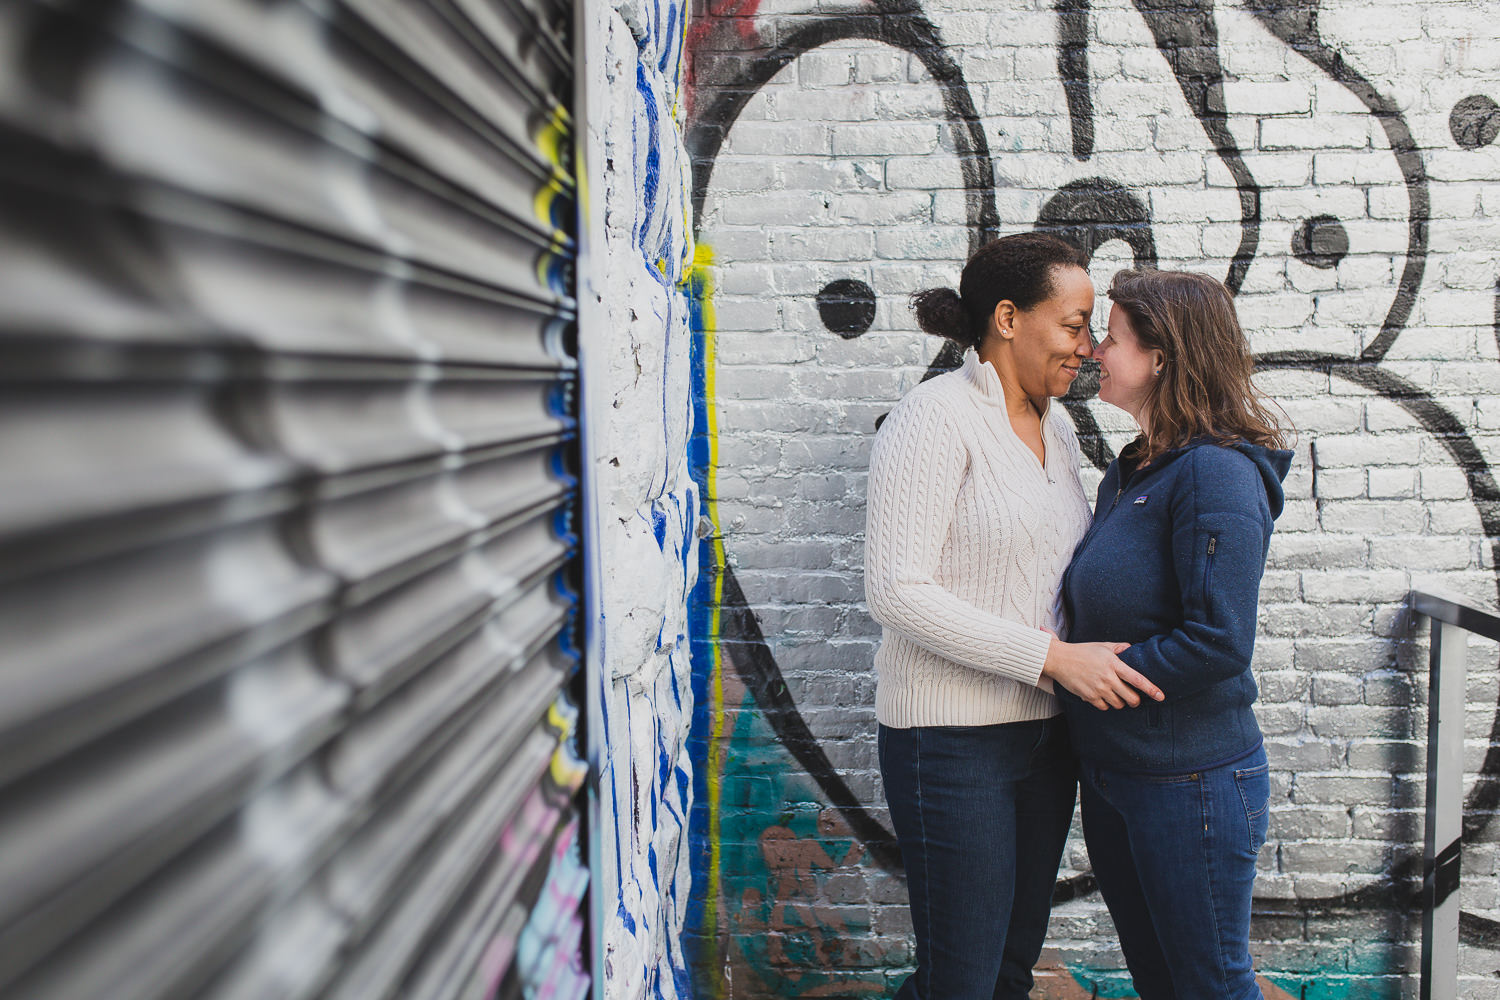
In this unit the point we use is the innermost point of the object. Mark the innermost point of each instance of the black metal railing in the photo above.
(1453, 620)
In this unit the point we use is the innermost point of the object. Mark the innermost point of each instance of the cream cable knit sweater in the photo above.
(966, 541)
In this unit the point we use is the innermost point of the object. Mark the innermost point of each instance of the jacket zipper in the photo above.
(1100, 520)
(1090, 534)
(1208, 564)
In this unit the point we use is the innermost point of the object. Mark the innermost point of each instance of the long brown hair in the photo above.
(1204, 389)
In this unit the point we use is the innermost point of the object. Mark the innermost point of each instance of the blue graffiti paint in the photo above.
(625, 917)
(669, 55)
(652, 170)
(557, 464)
(560, 401)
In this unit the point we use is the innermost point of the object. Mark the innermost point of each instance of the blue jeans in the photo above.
(981, 814)
(1175, 859)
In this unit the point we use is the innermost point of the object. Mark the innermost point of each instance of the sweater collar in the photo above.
(985, 381)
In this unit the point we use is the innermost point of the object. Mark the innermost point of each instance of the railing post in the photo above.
(1443, 845)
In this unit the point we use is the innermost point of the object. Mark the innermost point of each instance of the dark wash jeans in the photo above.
(981, 813)
(1175, 859)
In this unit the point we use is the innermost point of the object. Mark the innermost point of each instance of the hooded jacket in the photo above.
(1172, 565)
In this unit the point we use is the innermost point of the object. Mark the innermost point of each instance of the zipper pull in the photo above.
(1213, 541)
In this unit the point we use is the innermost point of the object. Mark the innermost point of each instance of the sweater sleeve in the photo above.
(1220, 531)
(917, 465)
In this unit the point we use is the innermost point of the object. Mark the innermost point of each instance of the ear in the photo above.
(1158, 360)
(1005, 318)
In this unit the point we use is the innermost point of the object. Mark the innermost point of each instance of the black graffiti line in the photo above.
(745, 645)
(1296, 24)
(1073, 68)
(1186, 36)
(1089, 213)
(893, 23)
(1090, 438)
(1092, 211)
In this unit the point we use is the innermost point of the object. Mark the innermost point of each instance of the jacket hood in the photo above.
(1272, 463)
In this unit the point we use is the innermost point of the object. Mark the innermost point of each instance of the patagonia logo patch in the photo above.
(1141, 500)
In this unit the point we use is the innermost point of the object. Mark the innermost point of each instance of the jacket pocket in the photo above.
(1229, 556)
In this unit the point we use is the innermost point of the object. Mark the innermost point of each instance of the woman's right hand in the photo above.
(1094, 672)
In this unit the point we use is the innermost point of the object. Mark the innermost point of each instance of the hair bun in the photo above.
(940, 312)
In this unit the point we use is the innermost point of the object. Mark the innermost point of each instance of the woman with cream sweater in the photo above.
(974, 509)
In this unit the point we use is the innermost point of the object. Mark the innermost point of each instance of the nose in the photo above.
(1085, 347)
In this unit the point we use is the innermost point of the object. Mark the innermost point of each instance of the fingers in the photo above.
(1116, 682)
(1108, 682)
(1117, 694)
(1135, 678)
(1121, 687)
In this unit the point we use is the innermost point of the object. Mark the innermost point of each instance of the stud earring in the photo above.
(1157, 373)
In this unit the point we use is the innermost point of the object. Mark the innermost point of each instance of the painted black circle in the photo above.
(1475, 121)
(847, 307)
(1321, 242)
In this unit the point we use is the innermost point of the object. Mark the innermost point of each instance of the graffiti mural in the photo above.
(846, 156)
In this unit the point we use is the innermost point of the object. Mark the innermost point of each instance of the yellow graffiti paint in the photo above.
(547, 196)
(562, 716)
(548, 269)
(566, 769)
(700, 274)
(553, 135)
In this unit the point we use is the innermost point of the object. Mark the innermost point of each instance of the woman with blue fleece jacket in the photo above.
(1174, 794)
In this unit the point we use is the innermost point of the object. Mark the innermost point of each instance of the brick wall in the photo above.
(1336, 164)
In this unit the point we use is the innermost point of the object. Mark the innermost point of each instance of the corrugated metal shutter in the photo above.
(286, 500)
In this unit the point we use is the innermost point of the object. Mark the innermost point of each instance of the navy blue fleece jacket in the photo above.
(1172, 565)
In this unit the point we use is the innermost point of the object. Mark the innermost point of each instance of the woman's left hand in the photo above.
(1094, 672)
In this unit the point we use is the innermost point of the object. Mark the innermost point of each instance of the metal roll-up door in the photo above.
(288, 680)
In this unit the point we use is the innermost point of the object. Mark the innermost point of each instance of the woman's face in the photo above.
(1126, 369)
(1052, 337)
